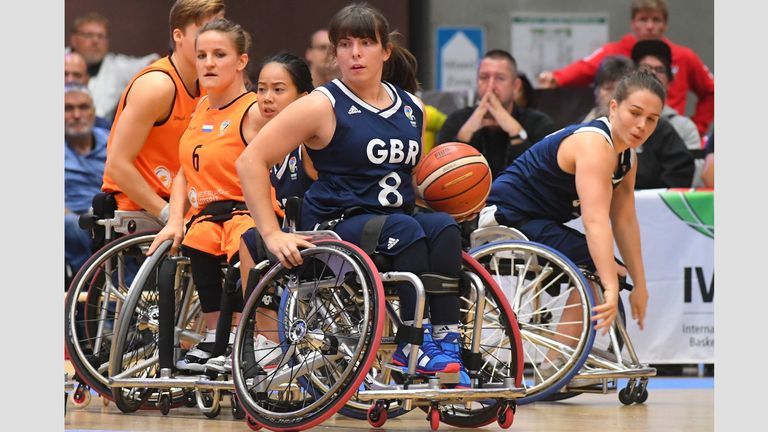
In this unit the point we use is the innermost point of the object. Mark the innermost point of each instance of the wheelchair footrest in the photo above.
(443, 394)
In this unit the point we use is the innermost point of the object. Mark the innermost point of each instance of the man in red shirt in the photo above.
(649, 21)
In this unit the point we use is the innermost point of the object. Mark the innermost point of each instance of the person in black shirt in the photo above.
(498, 128)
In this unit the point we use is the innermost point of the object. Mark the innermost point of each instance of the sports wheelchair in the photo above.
(337, 326)
(563, 358)
(349, 318)
(97, 291)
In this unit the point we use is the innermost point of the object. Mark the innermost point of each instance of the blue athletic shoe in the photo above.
(452, 348)
(431, 357)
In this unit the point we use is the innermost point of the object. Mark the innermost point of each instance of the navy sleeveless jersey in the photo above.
(369, 160)
(534, 186)
(289, 178)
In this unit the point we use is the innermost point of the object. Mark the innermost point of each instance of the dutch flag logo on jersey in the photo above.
(207, 128)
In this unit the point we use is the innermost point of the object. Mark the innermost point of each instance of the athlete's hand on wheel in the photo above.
(286, 247)
(605, 313)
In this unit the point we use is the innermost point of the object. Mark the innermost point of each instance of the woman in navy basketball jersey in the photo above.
(587, 170)
(364, 137)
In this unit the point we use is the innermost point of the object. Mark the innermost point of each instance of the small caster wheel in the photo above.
(237, 410)
(189, 400)
(377, 415)
(252, 424)
(164, 403)
(641, 395)
(82, 396)
(434, 418)
(506, 417)
(208, 402)
(626, 397)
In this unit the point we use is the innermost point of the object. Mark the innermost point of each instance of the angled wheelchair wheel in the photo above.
(553, 303)
(500, 348)
(135, 352)
(93, 301)
(326, 331)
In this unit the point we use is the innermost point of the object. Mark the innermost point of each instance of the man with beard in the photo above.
(85, 153)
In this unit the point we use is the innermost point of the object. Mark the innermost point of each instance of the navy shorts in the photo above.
(566, 240)
(399, 231)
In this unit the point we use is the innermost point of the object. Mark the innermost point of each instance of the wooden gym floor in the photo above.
(673, 405)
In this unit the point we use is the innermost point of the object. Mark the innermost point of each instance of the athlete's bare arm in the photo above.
(309, 120)
(626, 230)
(592, 159)
(150, 100)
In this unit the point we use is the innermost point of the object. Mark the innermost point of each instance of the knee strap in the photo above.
(269, 300)
(437, 284)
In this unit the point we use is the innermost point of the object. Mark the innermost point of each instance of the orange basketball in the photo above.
(453, 178)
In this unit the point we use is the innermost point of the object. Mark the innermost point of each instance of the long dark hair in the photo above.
(363, 21)
(296, 67)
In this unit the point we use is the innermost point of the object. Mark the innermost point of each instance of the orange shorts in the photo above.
(218, 238)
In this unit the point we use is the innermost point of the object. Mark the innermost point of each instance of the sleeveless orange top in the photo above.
(158, 160)
(209, 148)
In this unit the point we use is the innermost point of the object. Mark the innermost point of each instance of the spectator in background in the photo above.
(109, 72)
(496, 126)
(656, 56)
(663, 161)
(649, 21)
(76, 71)
(322, 63)
(85, 153)
(525, 98)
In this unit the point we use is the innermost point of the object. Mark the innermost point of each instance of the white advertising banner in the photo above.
(677, 237)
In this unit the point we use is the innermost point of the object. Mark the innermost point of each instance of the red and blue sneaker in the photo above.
(431, 358)
(451, 346)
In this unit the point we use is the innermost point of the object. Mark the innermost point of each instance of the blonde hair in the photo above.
(185, 12)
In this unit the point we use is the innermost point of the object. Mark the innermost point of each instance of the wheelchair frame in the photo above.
(138, 228)
(602, 366)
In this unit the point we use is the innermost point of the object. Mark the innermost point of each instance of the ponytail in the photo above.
(400, 68)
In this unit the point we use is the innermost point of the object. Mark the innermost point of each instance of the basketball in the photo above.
(453, 178)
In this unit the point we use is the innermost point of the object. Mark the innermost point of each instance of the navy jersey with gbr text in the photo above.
(535, 187)
(369, 160)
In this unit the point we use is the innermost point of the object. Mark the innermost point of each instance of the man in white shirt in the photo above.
(109, 72)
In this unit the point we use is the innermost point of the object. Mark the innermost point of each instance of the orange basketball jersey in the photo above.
(158, 160)
(209, 148)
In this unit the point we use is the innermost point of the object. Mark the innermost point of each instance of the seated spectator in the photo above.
(110, 72)
(319, 56)
(525, 97)
(76, 71)
(649, 20)
(663, 161)
(496, 126)
(85, 153)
